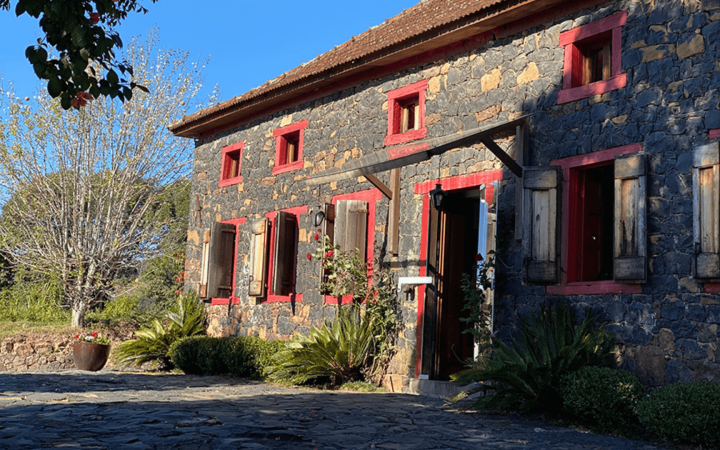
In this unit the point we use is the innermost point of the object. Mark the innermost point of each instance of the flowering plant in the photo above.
(93, 338)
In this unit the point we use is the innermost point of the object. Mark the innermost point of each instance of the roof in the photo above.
(427, 25)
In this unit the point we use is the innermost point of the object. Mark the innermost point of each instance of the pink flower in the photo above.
(329, 254)
(317, 236)
(94, 335)
(309, 256)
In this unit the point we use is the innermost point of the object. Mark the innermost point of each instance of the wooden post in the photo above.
(521, 157)
(394, 214)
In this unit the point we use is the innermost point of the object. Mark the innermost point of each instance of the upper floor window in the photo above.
(230, 166)
(406, 114)
(593, 58)
(289, 147)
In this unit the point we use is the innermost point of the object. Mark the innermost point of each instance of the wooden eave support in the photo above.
(502, 156)
(380, 185)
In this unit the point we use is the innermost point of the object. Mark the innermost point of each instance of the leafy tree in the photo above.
(79, 37)
(83, 189)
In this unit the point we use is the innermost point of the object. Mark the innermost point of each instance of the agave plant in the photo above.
(340, 351)
(185, 319)
(526, 375)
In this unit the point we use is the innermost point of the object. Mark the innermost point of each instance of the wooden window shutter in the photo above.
(205, 265)
(540, 226)
(221, 257)
(706, 217)
(351, 226)
(285, 253)
(258, 258)
(328, 229)
(630, 253)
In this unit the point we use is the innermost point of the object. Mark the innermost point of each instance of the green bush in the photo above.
(684, 412)
(187, 318)
(33, 298)
(236, 356)
(604, 399)
(526, 375)
(340, 351)
(125, 308)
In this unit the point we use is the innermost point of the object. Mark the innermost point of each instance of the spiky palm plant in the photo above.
(340, 351)
(153, 344)
(526, 375)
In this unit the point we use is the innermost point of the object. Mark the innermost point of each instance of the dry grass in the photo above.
(24, 329)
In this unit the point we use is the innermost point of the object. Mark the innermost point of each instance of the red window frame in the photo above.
(232, 298)
(270, 297)
(569, 168)
(371, 196)
(572, 39)
(227, 153)
(395, 101)
(281, 139)
(448, 184)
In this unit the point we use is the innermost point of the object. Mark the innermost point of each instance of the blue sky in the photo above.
(248, 42)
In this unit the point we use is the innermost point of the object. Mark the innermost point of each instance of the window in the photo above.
(273, 255)
(706, 214)
(593, 58)
(406, 114)
(602, 238)
(230, 167)
(217, 267)
(289, 147)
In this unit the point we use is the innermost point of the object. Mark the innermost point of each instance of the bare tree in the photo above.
(80, 188)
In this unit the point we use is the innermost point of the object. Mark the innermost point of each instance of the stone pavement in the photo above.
(137, 411)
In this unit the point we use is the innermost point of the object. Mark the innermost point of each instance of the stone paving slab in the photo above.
(108, 410)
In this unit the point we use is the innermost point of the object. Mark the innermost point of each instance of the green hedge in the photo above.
(604, 399)
(236, 356)
(684, 412)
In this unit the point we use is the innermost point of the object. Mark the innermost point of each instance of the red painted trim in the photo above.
(569, 193)
(394, 97)
(224, 164)
(371, 196)
(421, 290)
(714, 134)
(591, 29)
(399, 152)
(472, 180)
(281, 143)
(711, 288)
(594, 287)
(489, 189)
(460, 182)
(569, 38)
(235, 300)
(270, 297)
(596, 88)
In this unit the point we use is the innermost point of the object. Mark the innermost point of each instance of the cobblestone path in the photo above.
(119, 410)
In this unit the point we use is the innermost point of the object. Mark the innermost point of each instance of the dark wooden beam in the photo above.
(394, 214)
(502, 156)
(380, 185)
(522, 139)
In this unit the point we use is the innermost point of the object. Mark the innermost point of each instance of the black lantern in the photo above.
(319, 218)
(438, 197)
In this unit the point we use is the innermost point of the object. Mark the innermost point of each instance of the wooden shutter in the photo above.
(285, 253)
(706, 217)
(221, 258)
(258, 258)
(630, 253)
(540, 236)
(351, 226)
(205, 265)
(328, 229)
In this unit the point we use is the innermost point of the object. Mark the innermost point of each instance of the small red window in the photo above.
(406, 114)
(230, 167)
(593, 56)
(289, 147)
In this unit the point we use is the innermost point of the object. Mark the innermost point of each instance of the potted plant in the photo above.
(91, 351)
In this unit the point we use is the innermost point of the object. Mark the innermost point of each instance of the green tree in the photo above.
(79, 39)
(83, 191)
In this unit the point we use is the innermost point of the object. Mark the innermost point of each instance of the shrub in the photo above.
(526, 375)
(153, 344)
(33, 298)
(684, 412)
(236, 356)
(605, 399)
(124, 308)
(340, 351)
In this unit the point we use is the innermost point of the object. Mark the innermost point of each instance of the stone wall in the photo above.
(668, 332)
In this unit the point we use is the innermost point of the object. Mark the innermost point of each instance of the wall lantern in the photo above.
(438, 197)
(319, 217)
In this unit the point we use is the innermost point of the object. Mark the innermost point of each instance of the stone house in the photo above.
(577, 138)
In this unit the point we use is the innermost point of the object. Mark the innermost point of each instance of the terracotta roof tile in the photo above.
(423, 17)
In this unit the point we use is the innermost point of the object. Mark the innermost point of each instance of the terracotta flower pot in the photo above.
(89, 356)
